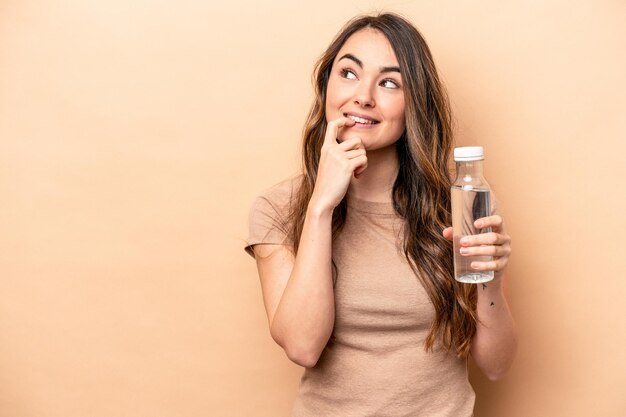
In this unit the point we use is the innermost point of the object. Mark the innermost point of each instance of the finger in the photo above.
(352, 143)
(494, 222)
(497, 251)
(359, 164)
(448, 233)
(355, 153)
(359, 171)
(491, 238)
(333, 127)
(495, 265)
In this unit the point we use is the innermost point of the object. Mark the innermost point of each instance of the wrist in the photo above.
(492, 287)
(319, 208)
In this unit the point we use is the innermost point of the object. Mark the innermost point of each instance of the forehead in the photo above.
(371, 47)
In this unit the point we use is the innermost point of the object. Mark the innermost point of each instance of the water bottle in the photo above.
(471, 200)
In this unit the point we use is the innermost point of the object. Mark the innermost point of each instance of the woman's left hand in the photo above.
(496, 243)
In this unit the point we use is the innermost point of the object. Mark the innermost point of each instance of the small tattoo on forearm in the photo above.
(492, 303)
(484, 286)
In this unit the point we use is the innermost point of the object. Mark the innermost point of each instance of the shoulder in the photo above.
(270, 212)
(279, 196)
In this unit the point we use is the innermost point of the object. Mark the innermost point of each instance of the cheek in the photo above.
(333, 99)
(400, 109)
(330, 106)
(398, 126)
(392, 105)
(396, 112)
(402, 120)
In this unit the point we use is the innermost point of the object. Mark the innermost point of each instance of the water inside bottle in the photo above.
(468, 205)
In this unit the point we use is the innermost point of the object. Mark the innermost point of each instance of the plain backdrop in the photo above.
(135, 134)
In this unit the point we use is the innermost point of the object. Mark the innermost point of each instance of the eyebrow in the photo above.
(360, 64)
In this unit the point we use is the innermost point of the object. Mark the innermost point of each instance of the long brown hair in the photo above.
(421, 192)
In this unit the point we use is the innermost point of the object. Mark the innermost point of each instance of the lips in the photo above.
(361, 118)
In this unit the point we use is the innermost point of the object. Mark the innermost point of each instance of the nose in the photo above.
(363, 96)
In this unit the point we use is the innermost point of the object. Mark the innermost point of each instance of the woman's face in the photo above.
(365, 85)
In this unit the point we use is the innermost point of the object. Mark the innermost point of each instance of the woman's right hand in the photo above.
(338, 163)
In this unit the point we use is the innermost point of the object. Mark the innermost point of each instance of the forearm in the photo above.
(495, 342)
(305, 316)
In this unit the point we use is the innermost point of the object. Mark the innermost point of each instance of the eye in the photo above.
(389, 83)
(349, 74)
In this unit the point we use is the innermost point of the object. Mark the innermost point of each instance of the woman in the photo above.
(354, 255)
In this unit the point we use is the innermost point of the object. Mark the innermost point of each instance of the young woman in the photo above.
(355, 256)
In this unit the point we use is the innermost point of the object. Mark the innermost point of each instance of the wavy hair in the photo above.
(421, 191)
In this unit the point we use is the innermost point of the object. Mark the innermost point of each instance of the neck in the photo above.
(376, 182)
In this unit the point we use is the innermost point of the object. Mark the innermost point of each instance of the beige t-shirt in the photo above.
(374, 363)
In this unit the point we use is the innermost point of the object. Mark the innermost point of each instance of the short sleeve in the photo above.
(268, 215)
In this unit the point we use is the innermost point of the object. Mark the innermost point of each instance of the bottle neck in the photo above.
(471, 168)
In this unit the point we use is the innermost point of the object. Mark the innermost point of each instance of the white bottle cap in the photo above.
(469, 153)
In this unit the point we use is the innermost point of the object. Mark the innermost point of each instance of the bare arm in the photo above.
(495, 342)
(298, 291)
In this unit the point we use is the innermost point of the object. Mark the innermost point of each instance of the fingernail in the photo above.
(464, 251)
(464, 241)
(479, 223)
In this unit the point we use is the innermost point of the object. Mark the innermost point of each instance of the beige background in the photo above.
(134, 135)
